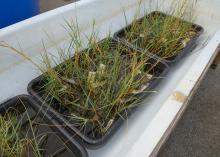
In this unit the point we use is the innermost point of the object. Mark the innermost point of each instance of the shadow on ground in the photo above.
(198, 132)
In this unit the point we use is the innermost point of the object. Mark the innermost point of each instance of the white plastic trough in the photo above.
(149, 126)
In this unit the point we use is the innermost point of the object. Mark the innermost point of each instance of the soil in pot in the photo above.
(95, 87)
(160, 34)
(24, 134)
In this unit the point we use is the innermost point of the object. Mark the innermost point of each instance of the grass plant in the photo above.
(99, 83)
(163, 35)
(20, 137)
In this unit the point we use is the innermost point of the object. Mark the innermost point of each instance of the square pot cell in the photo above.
(147, 39)
(88, 134)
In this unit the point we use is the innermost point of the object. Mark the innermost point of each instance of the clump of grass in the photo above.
(164, 35)
(14, 143)
(99, 83)
(10, 144)
(20, 136)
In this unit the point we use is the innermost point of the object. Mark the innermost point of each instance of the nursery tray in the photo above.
(190, 46)
(57, 110)
(25, 108)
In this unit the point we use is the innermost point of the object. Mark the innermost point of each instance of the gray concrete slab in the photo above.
(198, 132)
(46, 5)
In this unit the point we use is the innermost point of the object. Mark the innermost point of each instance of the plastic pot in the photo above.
(58, 110)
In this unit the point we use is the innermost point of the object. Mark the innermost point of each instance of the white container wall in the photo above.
(146, 127)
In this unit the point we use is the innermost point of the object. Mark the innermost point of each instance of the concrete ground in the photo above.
(46, 5)
(198, 132)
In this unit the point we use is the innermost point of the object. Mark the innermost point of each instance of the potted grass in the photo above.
(163, 35)
(92, 93)
(24, 134)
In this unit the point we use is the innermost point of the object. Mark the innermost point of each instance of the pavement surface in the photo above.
(198, 132)
(46, 5)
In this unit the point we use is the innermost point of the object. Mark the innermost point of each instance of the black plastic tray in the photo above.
(190, 46)
(74, 148)
(88, 142)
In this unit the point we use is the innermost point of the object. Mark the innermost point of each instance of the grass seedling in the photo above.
(164, 35)
(13, 141)
(19, 136)
(10, 144)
